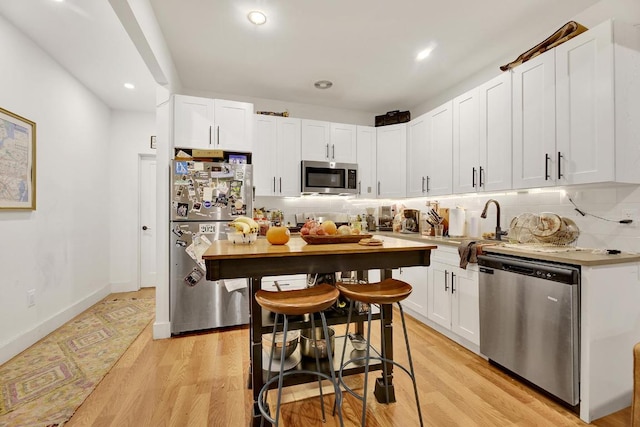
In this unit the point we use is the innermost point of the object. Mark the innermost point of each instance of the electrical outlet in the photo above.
(31, 297)
(630, 214)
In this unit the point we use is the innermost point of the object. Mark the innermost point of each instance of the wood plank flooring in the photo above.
(200, 380)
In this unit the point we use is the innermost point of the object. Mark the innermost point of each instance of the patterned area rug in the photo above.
(45, 384)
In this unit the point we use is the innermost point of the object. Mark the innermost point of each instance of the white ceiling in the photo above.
(367, 48)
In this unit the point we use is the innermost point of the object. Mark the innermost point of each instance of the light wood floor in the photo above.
(200, 380)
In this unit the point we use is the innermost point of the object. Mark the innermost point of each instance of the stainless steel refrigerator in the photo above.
(205, 197)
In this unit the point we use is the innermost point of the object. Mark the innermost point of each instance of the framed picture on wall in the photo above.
(153, 142)
(17, 162)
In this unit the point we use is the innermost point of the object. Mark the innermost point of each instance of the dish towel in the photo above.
(468, 252)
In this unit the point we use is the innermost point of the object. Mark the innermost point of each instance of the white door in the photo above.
(147, 222)
(343, 143)
(417, 157)
(466, 137)
(439, 296)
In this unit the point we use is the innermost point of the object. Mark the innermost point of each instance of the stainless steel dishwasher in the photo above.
(529, 321)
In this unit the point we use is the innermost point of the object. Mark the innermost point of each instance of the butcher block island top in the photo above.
(261, 258)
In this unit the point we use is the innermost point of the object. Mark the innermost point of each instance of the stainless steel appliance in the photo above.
(529, 321)
(205, 197)
(329, 177)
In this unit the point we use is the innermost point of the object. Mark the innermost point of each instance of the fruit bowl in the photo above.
(238, 237)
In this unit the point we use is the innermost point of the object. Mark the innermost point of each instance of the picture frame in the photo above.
(17, 162)
(153, 142)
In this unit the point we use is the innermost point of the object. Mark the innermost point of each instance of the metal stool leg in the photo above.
(271, 352)
(413, 375)
(336, 385)
(317, 354)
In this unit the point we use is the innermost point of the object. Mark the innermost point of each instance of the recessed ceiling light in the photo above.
(129, 86)
(425, 52)
(323, 84)
(257, 18)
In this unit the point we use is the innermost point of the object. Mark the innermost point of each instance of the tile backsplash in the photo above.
(604, 206)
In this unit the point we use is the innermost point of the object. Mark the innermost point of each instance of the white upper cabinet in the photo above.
(494, 172)
(417, 157)
(466, 142)
(331, 142)
(592, 122)
(429, 153)
(391, 153)
(534, 122)
(366, 155)
(440, 150)
(343, 143)
(276, 157)
(212, 124)
(482, 137)
(597, 105)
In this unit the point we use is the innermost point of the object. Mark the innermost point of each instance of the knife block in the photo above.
(444, 214)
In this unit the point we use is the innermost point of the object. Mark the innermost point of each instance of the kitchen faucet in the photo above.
(499, 231)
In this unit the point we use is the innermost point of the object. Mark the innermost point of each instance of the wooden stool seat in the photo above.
(299, 301)
(388, 291)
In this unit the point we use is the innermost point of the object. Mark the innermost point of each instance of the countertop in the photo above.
(582, 256)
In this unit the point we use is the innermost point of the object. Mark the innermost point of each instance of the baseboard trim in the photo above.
(123, 287)
(161, 330)
(30, 337)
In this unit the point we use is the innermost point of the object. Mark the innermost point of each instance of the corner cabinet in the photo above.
(366, 156)
(326, 141)
(276, 158)
(453, 295)
(391, 154)
(212, 124)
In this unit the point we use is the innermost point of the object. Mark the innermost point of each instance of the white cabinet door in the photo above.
(391, 152)
(417, 277)
(316, 137)
(534, 122)
(343, 143)
(233, 125)
(440, 150)
(264, 156)
(466, 134)
(366, 154)
(288, 157)
(193, 122)
(276, 158)
(439, 294)
(494, 170)
(465, 304)
(417, 156)
(585, 107)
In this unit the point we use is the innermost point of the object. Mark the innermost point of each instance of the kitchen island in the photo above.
(224, 260)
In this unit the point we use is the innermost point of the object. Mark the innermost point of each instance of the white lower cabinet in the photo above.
(286, 283)
(453, 298)
(417, 278)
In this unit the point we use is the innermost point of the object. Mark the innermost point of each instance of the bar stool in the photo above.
(388, 291)
(291, 303)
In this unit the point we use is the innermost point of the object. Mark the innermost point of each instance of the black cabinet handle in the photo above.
(560, 157)
(218, 135)
(453, 288)
(446, 285)
(327, 150)
(145, 228)
(546, 166)
(427, 183)
(480, 183)
(423, 180)
(280, 185)
(209, 135)
(473, 177)
(333, 151)
(274, 184)
(359, 187)
(378, 188)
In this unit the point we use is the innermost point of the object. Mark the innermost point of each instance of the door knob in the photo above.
(144, 227)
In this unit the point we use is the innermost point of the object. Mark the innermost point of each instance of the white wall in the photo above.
(130, 136)
(62, 248)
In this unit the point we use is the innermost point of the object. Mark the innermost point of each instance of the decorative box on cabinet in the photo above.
(276, 158)
(212, 123)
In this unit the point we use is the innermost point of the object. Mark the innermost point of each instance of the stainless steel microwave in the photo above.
(329, 177)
